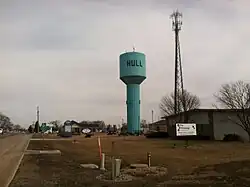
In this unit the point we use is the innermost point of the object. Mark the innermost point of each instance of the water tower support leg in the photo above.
(133, 108)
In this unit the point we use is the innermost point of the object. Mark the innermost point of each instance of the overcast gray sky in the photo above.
(63, 55)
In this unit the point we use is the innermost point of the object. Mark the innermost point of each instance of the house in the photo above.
(76, 128)
(158, 126)
(92, 125)
(66, 129)
(211, 123)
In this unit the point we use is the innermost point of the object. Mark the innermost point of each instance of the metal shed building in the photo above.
(214, 123)
(158, 126)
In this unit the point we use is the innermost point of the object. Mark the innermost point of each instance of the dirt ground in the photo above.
(50, 136)
(214, 164)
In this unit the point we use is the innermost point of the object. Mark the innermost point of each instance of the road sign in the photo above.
(86, 131)
(186, 129)
(44, 127)
(67, 128)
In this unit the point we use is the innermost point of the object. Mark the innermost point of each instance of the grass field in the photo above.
(201, 164)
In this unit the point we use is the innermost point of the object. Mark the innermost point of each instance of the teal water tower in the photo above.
(133, 73)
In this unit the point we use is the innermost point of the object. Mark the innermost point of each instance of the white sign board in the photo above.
(186, 129)
(67, 128)
(86, 131)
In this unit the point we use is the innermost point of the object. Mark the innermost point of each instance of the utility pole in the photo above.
(37, 114)
(152, 116)
(178, 82)
(37, 117)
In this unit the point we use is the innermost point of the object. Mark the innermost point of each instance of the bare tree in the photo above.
(143, 123)
(17, 127)
(37, 127)
(188, 99)
(56, 124)
(236, 95)
(5, 122)
(31, 129)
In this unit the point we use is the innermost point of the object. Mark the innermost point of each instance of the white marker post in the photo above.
(102, 167)
(117, 167)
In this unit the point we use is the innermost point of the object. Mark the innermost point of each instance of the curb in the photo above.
(18, 164)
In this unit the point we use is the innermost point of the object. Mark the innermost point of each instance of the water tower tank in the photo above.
(133, 73)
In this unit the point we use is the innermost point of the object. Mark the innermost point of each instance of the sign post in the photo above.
(186, 129)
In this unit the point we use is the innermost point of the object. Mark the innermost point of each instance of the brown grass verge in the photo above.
(227, 160)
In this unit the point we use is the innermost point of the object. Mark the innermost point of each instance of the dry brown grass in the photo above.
(134, 150)
(179, 160)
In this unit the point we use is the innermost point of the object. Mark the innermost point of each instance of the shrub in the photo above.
(123, 134)
(231, 138)
(88, 135)
(157, 135)
(198, 137)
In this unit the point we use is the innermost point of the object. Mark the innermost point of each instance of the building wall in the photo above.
(210, 123)
(161, 124)
(162, 127)
(222, 126)
(201, 119)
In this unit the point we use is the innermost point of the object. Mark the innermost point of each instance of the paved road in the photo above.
(5, 135)
(11, 151)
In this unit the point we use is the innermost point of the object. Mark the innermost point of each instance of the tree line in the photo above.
(38, 128)
(233, 95)
(6, 123)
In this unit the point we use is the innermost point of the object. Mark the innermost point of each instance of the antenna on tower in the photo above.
(178, 86)
(176, 20)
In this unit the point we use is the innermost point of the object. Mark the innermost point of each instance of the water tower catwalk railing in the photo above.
(133, 73)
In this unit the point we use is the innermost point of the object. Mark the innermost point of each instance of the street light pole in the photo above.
(152, 116)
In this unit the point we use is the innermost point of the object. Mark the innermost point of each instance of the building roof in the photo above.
(160, 122)
(203, 110)
(91, 124)
(85, 124)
